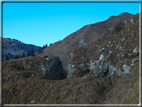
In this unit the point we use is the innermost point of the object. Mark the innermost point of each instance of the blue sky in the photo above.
(45, 23)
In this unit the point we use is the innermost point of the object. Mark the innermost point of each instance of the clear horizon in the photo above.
(45, 23)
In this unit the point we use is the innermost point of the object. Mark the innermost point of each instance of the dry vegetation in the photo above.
(69, 91)
(38, 89)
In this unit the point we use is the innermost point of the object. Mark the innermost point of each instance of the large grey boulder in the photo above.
(52, 68)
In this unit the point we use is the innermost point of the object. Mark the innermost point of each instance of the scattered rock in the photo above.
(101, 68)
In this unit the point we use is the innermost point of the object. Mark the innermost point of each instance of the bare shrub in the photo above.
(118, 26)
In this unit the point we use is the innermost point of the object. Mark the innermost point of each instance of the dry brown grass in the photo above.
(74, 90)
(69, 91)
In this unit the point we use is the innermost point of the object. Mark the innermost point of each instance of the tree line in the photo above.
(29, 53)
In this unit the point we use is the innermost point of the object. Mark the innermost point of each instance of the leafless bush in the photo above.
(118, 26)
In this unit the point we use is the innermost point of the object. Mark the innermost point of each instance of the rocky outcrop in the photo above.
(100, 68)
(52, 68)
(112, 55)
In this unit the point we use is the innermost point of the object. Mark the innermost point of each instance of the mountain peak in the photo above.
(125, 13)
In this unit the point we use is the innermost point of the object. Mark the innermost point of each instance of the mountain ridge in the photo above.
(86, 34)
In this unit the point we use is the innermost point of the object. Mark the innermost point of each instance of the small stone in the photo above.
(32, 75)
(135, 52)
(9, 80)
(45, 95)
(32, 101)
(119, 47)
(45, 83)
(123, 39)
(86, 76)
(5, 80)
(33, 93)
(110, 51)
(130, 55)
(40, 98)
(102, 50)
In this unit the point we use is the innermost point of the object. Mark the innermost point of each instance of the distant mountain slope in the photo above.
(15, 47)
(86, 34)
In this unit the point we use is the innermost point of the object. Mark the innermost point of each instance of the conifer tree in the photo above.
(23, 55)
(16, 57)
(7, 58)
(29, 53)
(32, 52)
(46, 45)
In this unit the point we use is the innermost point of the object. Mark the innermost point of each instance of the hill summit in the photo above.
(84, 35)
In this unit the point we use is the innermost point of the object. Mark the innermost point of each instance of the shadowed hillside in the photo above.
(13, 47)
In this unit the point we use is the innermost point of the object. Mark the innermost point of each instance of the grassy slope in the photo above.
(69, 91)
